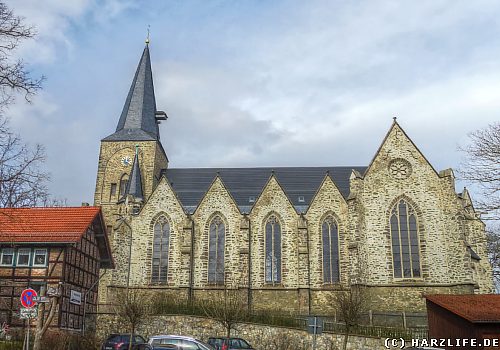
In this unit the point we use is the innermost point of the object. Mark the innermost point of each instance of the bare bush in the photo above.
(351, 305)
(132, 307)
(227, 307)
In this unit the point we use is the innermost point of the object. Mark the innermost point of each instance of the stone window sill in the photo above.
(336, 285)
(408, 280)
(272, 285)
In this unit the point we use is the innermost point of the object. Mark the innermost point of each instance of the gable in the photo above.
(273, 197)
(397, 145)
(217, 197)
(163, 195)
(327, 194)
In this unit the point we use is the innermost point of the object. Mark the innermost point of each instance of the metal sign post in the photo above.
(28, 312)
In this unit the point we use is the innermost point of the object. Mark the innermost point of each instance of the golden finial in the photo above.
(147, 38)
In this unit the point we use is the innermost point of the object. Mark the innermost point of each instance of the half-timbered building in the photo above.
(59, 250)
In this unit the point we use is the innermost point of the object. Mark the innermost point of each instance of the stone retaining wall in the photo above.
(260, 336)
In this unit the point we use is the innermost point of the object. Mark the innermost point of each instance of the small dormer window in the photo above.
(301, 199)
(251, 199)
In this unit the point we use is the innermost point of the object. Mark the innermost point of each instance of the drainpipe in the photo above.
(191, 259)
(85, 299)
(249, 264)
(129, 257)
(309, 294)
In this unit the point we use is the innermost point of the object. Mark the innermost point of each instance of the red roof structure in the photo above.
(54, 225)
(476, 308)
(51, 225)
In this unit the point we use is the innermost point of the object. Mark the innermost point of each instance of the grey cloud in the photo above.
(305, 83)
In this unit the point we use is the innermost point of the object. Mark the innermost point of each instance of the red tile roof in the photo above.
(475, 308)
(51, 225)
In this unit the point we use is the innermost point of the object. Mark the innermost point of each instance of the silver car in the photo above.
(179, 342)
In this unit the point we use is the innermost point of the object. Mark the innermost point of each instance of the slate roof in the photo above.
(476, 308)
(191, 184)
(58, 225)
(134, 185)
(473, 254)
(138, 118)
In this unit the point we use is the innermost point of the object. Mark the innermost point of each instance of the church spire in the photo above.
(139, 118)
(134, 185)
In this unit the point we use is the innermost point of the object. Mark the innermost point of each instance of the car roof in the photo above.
(171, 336)
(226, 338)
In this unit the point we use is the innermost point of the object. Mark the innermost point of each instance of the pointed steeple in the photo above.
(134, 185)
(139, 121)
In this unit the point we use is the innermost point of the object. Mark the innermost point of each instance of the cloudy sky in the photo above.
(260, 83)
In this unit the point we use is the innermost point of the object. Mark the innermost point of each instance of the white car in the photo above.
(179, 342)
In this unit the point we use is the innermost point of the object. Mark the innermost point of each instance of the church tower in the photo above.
(132, 158)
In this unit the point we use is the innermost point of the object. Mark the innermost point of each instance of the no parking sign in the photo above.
(27, 298)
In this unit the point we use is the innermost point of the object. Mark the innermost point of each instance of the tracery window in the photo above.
(161, 240)
(404, 238)
(216, 242)
(273, 250)
(330, 234)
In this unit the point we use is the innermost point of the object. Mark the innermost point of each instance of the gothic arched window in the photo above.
(404, 238)
(123, 184)
(273, 250)
(330, 234)
(216, 242)
(161, 240)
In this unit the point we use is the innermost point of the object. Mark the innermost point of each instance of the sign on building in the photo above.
(75, 298)
(40, 299)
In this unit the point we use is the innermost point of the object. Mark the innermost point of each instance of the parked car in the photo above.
(160, 342)
(122, 341)
(225, 343)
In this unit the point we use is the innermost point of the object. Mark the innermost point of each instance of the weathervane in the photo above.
(147, 38)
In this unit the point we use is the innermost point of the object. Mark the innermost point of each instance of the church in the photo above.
(287, 238)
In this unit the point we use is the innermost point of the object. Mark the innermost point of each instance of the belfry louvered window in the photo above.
(216, 251)
(405, 245)
(330, 234)
(161, 240)
(273, 251)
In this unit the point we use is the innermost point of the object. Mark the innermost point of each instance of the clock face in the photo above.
(126, 161)
(400, 168)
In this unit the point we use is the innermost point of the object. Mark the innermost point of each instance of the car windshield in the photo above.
(215, 341)
(204, 346)
(238, 344)
(118, 338)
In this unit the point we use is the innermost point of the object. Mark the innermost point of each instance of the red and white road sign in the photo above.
(27, 298)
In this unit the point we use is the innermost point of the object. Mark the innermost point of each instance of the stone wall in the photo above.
(259, 336)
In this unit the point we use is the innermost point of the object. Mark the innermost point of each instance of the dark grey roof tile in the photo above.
(139, 110)
(191, 184)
